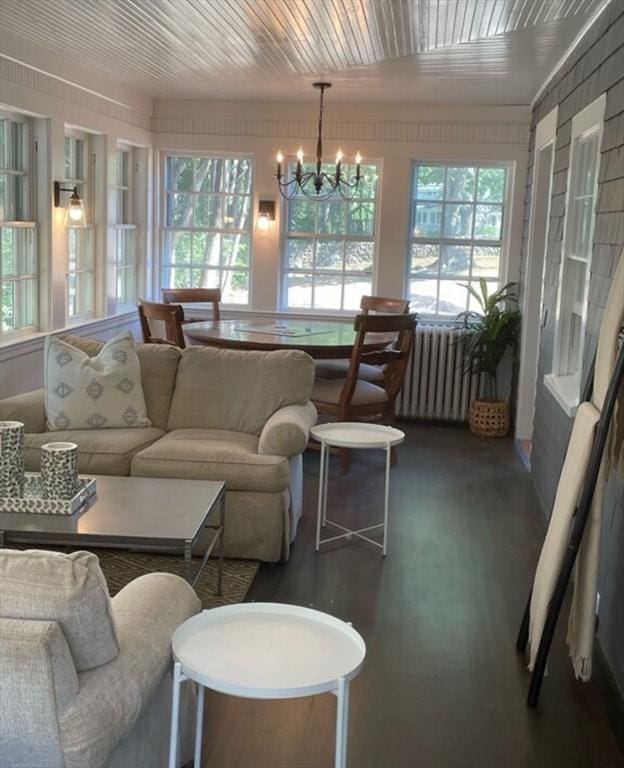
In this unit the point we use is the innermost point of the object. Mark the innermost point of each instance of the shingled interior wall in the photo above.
(596, 66)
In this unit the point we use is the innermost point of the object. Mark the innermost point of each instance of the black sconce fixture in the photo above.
(266, 214)
(75, 213)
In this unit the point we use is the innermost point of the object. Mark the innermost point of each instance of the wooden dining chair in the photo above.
(194, 296)
(355, 399)
(337, 369)
(169, 317)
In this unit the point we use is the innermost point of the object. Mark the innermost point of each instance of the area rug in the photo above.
(121, 566)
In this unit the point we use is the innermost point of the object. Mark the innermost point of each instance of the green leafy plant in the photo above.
(491, 333)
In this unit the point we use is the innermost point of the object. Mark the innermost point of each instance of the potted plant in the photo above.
(488, 336)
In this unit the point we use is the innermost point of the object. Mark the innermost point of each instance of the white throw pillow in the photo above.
(101, 392)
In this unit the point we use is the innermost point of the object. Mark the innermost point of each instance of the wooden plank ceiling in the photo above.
(470, 51)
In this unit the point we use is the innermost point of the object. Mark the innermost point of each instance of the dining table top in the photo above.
(321, 339)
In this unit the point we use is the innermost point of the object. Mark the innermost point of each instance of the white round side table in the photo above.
(353, 434)
(265, 651)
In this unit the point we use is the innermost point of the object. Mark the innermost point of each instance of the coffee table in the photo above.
(265, 651)
(353, 434)
(142, 513)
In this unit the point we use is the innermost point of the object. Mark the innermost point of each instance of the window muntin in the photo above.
(18, 236)
(80, 274)
(329, 250)
(126, 246)
(207, 234)
(456, 233)
(584, 166)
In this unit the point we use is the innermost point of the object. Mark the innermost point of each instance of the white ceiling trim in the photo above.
(20, 74)
(391, 131)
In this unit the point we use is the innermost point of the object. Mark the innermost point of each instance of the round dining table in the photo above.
(321, 339)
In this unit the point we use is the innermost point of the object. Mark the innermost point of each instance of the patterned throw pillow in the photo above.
(101, 392)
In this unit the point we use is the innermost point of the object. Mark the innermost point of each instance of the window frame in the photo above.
(164, 228)
(131, 190)
(27, 209)
(86, 190)
(566, 387)
(503, 243)
(285, 235)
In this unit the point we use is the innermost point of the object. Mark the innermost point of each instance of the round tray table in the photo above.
(266, 651)
(347, 434)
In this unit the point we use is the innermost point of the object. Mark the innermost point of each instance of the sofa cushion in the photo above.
(69, 589)
(233, 390)
(159, 365)
(213, 454)
(100, 451)
(101, 392)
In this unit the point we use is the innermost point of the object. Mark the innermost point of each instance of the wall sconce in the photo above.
(266, 215)
(75, 213)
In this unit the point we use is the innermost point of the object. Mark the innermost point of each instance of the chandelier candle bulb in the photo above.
(280, 159)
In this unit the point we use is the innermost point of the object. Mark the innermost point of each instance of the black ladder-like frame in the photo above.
(581, 515)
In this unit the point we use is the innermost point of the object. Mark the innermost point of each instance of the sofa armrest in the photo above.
(286, 433)
(28, 408)
(39, 683)
(112, 697)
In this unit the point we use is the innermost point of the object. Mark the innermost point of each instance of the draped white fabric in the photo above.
(581, 624)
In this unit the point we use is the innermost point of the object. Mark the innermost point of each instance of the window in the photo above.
(586, 136)
(18, 249)
(80, 275)
(126, 230)
(330, 247)
(457, 225)
(207, 236)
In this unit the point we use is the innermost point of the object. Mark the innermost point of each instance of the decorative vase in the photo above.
(59, 470)
(489, 418)
(11, 459)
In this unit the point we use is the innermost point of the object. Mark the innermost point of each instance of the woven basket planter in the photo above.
(489, 418)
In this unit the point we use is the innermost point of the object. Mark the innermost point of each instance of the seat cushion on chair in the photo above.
(100, 451)
(329, 390)
(213, 454)
(338, 369)
(69, 589)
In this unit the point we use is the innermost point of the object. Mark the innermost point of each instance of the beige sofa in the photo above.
(241, 417)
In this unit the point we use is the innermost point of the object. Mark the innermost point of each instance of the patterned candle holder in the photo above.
(11, 459)
(59, 470)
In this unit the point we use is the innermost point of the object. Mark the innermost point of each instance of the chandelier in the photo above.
(318, 184)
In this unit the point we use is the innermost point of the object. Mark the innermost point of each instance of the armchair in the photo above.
(114, 715)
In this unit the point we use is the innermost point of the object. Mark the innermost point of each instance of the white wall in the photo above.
(394, 135)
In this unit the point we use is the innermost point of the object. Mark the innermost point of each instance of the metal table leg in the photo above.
(221, 534)
(199, 725)
(342, 723)
(321, 495)
(175, 715)
(386, 499)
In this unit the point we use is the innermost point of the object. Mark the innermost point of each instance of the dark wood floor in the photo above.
(442, 686)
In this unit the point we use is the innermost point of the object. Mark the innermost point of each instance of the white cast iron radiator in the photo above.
(435, 385)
